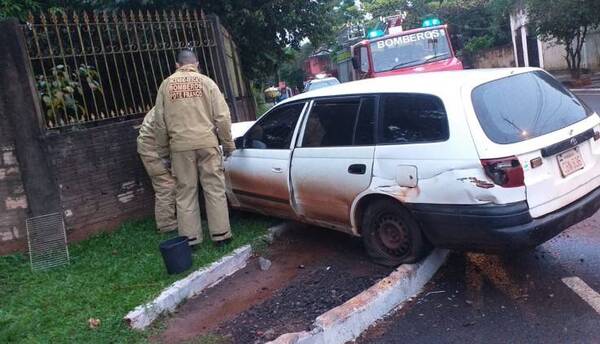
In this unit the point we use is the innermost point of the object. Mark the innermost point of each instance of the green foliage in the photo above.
(292, 69)
(262, 29)
(109, 275)
(59, 91)
(483, 21)
(478, 43)
(567, 22)
(17, 8)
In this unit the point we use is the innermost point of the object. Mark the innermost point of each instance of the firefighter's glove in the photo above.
(227, 151)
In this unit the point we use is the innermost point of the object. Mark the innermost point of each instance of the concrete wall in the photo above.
(495, 58)
(13, 202)
(592, 50)
(554, 54)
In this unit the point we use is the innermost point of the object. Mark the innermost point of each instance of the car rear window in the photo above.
(524, 106)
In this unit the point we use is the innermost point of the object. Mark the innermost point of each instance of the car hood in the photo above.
(240, 128)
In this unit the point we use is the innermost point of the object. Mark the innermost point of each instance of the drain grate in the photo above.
(47, 241)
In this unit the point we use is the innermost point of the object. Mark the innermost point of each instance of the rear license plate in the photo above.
(570, 162)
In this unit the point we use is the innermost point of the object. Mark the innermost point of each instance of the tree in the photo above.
(480, 24)
(262, 29)
(17, 8)
(292, 69)
(566, 22)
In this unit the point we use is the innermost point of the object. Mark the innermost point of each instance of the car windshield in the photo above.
(410, 50)
(322, 84)
(538, 105)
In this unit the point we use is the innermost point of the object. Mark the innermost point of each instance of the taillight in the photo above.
(506, 172)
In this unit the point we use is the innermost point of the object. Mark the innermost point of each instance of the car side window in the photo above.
(275, 131)
(364, 131)
(412, 118)
(333, 123)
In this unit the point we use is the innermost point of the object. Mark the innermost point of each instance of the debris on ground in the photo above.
(294, 308)
(94, 323)
(470, 323)
(264, 263)
(269, 334)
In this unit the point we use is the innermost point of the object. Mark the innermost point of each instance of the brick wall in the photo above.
(101, 178)
(13, 202)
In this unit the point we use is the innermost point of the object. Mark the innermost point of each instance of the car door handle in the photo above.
(357, 169)
(276, 170)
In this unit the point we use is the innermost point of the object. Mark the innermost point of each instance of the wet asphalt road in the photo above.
(591, 98)
(519, 298)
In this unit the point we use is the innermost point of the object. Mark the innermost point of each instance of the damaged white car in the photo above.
(474, 160)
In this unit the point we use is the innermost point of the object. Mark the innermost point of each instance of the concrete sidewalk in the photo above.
(565, 77)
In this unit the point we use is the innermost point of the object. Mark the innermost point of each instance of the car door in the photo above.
(333, 161)
(258, 174)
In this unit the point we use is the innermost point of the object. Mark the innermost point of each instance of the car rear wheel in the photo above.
(391, 235)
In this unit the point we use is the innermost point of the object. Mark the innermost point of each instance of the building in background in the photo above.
(530, 51)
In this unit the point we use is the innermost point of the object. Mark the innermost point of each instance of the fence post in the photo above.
(216, 22)
(21, 106)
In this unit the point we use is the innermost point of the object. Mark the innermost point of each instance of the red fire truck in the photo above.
(426, 49)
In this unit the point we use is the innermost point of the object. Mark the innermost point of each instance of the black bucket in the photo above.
(177, 254)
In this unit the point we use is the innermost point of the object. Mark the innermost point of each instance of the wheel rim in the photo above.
(392, 235)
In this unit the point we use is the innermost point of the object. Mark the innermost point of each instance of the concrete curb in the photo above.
(347, 321)
(577, 90)
(206, 277)
(193, 284)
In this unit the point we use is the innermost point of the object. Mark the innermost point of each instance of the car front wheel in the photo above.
(391, 235)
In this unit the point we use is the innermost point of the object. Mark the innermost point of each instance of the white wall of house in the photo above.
(592, 50)
(551, 54)
(554, 56)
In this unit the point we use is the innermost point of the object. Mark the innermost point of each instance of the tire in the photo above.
(391, 235)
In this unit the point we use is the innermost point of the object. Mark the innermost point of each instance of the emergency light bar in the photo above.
(431, 22)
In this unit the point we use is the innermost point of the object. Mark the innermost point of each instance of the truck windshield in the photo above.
(410, 50)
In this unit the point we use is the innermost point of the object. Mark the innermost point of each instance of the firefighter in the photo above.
(158, 169)
(191, 118)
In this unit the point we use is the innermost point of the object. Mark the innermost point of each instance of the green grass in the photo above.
(109, 275)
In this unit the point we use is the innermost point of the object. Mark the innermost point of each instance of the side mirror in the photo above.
(355, 62)
(239, 142)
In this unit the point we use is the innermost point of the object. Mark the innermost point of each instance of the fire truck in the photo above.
(426, 49)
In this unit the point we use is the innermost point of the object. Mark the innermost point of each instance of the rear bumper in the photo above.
(498, 227)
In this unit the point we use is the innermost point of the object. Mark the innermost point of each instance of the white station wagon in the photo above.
(485, 160)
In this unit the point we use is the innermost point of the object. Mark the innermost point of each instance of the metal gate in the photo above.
(102, 66)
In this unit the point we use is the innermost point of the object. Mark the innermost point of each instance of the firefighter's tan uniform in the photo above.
(163, 182)
(192, 117)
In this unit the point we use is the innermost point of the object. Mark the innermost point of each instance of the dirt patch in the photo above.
(313, 270)
(295, 307)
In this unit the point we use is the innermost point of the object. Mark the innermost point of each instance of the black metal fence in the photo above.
(92, 67)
